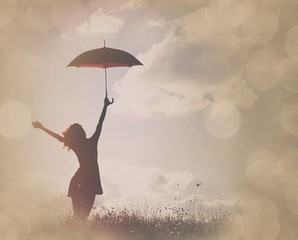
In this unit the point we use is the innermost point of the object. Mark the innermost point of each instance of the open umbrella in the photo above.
(104, 58)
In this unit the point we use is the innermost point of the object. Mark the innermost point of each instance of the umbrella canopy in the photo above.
(104, 58)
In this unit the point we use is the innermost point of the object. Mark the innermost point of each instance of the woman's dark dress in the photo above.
(87, 179)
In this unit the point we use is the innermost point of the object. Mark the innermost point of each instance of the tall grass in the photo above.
(173, 221)
(188, 219)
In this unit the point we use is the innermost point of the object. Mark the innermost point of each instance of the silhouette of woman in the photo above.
(85, 184)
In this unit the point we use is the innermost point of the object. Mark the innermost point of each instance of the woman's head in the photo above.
(73, 135)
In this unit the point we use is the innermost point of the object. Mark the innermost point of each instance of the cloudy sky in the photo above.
(215, 103)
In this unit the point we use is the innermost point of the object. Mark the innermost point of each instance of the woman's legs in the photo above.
(82, 205)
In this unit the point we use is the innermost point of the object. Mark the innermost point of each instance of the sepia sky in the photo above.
(215, 103)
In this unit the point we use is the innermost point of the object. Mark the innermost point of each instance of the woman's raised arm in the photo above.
(97, 132)
(38, 125)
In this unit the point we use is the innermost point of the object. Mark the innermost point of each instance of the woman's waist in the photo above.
(88, 167)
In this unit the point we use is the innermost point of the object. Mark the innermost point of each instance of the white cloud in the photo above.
(132, 180)
(209, 57)
(100, 22)
(192, 61)
(133, 4)
(127, 184)
(236, 91)
(166, 83)
(156, 23)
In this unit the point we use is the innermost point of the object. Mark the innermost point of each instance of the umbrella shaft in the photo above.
(106, 83)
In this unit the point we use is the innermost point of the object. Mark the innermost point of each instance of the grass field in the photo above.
(159, 223)
(173, 221)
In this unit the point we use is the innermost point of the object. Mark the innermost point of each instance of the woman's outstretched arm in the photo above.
(38, 125)
(97, 132)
